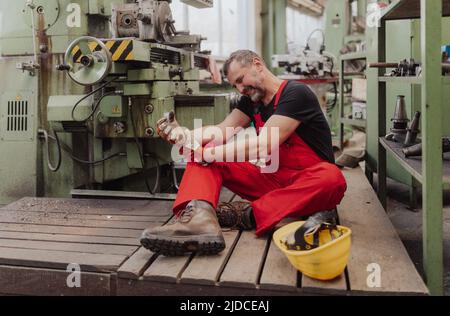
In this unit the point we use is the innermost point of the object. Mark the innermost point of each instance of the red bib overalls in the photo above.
(303, 185)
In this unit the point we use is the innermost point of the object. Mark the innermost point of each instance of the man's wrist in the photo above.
(208, 155)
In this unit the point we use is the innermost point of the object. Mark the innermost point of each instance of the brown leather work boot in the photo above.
(236, 215)
(196, 229)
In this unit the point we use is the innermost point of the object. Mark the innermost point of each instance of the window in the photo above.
(299, 26)
(228, 26)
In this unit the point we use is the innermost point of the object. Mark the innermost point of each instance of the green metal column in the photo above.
(362, 9)
(337, 25)
(267, 29)
(280, 26)
(372, 101)
(274, 28)
(382, 155)
(341, 129)
(431, 13)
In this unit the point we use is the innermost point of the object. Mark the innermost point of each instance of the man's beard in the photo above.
(257, 94)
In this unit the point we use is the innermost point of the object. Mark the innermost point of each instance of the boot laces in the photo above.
(186, 215)
(230, 215)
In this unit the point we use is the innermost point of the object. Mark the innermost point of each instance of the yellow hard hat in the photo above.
(322, 252)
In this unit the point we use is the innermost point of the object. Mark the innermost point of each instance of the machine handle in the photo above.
(63, 67)
(170, 116)
(383, 65)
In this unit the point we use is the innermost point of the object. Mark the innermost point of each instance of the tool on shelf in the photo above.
(400, 122)
(413, 131)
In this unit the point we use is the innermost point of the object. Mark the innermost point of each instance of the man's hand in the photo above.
(196, 155)
(169, 130)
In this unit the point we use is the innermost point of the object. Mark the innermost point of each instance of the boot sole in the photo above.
(172, 247)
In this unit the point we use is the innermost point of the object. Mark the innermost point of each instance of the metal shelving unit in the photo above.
(414, 165)
(431, 171)
(410, 80)
(342, 78)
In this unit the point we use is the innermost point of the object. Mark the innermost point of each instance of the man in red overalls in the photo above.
(306, 183)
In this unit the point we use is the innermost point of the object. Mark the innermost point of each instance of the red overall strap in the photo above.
(257, 117)
(280, 91)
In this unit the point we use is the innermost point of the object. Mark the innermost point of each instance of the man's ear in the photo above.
(258, 63)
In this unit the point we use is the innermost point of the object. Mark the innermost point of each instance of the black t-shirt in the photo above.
(298, 102)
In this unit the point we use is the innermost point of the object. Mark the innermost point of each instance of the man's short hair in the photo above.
(244, 57)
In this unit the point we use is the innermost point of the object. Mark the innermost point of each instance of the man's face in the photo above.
(248, 80)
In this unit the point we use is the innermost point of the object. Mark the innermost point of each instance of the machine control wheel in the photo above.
(87, 61)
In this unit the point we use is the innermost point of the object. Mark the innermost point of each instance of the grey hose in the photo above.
(49, 162)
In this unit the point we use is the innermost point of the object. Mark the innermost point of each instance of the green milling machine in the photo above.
(83, 84)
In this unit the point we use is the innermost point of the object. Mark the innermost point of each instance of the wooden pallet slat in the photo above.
(86, 217)
(166, 269)
(135, 266)
(140, 263)
(205, 270)
(60, 259)
(375, 243)
(92, 207)
(74, 222)
(36, 281)
(278, 273)
(243, 267)
(83, 231)
(337, 286)
(68, 247)
(226, 195)
(126, 241)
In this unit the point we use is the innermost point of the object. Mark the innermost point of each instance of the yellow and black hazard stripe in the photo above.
(121, 50)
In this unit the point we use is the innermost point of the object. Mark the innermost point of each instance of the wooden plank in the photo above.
(278, 273)
(84, 231)
(150, 208)
(206, 269)
(135, 266)
(60, 259)
(140, 261)
(41, 219)
(68, 247)
(243, 267)
(337, 286)
(375, 241)
(39, 282)
(70, 216)
(162, 269)
(226, 195)
(149, 289)
(93, 207)
(74, 205)
(146, 288)
(166, 269)
(70, 238)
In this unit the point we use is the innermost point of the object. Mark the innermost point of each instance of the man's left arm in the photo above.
(276, 131)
